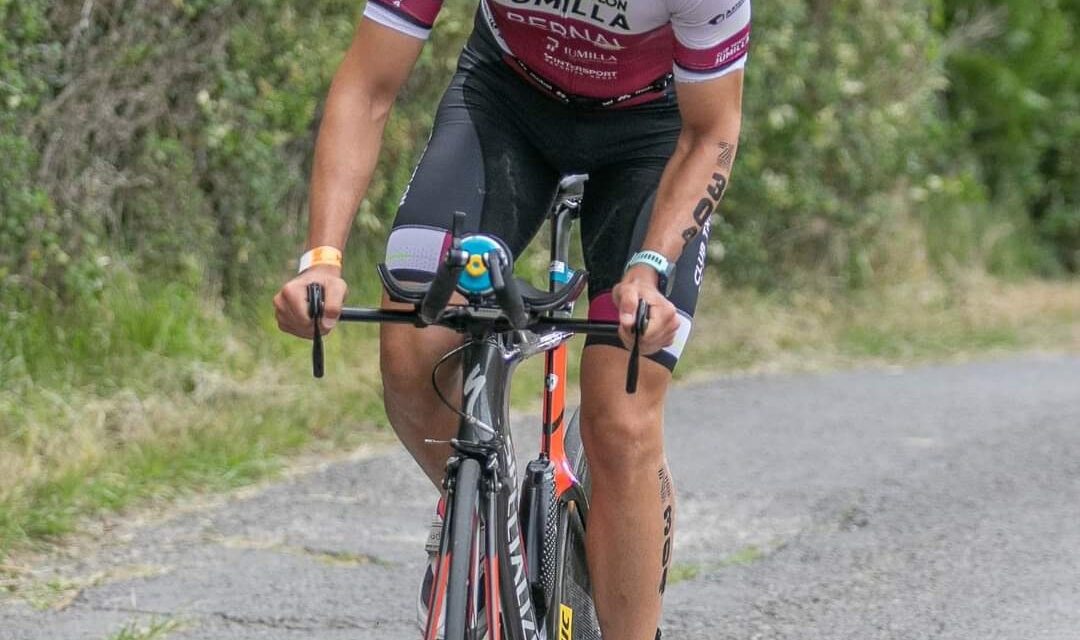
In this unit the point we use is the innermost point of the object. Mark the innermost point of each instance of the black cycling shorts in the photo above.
(497, 152)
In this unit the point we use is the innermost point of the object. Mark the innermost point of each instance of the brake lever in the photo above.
(641, 323)
(316, 303)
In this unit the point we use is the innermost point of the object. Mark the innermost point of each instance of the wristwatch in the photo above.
(664, 268)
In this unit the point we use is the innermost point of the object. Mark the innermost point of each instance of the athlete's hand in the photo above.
(291, 304)
(639, 283)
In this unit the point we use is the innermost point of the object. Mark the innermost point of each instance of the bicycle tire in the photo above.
(462, 523)
(571, 613)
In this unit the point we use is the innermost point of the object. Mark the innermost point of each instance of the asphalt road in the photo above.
(938, 502)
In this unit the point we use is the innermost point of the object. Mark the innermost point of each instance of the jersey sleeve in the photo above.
(712, 38)
(411, 17)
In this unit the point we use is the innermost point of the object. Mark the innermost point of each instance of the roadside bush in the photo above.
(1014, 67)
(843, 142)
(170, 136)
(173, 139)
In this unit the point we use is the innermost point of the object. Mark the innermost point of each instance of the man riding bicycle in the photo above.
(642, 95)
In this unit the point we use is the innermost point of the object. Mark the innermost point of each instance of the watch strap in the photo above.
(654, 259)
(663, 267)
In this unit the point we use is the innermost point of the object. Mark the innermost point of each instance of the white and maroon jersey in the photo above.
(601, 48)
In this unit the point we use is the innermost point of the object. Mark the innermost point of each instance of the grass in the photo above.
(899, 325)
(49, 594)
(165, 397)
(212, 407)
(685, 571)
(154, 630)
(329, 557)
(57, 593)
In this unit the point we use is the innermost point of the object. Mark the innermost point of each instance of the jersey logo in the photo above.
(730, 12)
(609, 13)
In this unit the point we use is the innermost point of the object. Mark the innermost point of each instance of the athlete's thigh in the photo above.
(477, 162)
(616, 211)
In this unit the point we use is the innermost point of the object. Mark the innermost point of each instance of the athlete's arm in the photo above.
(363, 90)
(698, 172)
(690, 189)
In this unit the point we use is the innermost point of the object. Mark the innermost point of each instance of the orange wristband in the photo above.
(319, 256)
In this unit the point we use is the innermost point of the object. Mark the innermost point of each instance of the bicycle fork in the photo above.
(511, 527)
(497, 541)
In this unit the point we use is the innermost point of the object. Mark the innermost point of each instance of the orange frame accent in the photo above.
(554, 428)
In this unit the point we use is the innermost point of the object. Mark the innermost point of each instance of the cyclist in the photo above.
(644, 96)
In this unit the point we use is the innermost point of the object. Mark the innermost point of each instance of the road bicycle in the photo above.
(511, 562)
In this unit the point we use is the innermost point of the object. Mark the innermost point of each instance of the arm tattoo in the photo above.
(713, 193)
(665, 483)
(726, 157)
(705, 207)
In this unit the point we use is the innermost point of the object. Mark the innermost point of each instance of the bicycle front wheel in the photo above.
(462, 528)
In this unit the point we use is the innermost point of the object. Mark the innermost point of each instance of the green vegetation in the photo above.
(901, 161)
(165, 423)
(684, 571)
(903, 324)
(1015, 92)
(154, 630)
(53, 593)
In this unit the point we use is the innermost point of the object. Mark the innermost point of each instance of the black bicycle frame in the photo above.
(488, 364)
(488, 360)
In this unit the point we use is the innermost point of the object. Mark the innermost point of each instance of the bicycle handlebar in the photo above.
(442, 287)
(444, 284)
(316, 302)
(459, 318)
(507, 294)
(641, 324)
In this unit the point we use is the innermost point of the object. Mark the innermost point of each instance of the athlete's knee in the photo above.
(395, 362)
(621, 437)
(407, 356)
(621, 432)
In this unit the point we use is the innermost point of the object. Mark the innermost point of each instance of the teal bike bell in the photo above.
(475, 278)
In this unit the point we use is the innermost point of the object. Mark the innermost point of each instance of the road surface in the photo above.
(935, 502)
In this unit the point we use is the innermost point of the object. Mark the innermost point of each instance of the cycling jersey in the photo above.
(600, 49)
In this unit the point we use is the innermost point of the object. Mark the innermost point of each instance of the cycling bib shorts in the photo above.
(499, 147)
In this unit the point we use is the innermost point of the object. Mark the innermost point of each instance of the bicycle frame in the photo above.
(554, 407)
(488, 363)
(554, 500)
